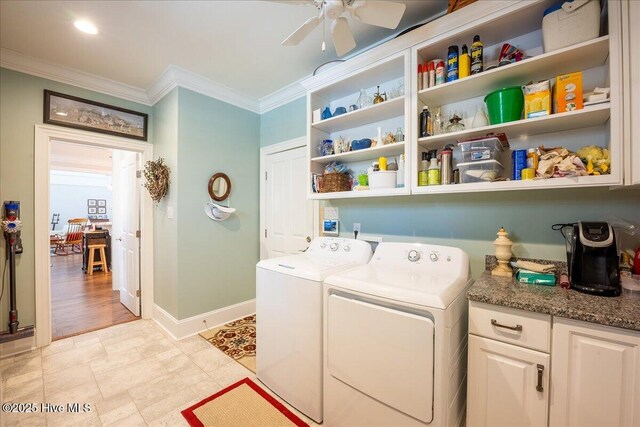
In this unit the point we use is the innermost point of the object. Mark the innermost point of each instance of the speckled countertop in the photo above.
(621, 312)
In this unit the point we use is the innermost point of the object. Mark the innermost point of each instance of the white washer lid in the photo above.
(304, 266)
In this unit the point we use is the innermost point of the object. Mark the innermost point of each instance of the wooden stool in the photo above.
(92, 262)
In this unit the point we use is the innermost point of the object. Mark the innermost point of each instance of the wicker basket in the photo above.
(332, 182)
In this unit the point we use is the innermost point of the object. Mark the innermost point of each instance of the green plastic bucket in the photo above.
(505, 105)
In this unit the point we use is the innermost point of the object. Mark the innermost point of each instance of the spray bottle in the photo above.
(433, 173)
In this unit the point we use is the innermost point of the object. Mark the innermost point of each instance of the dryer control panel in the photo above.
(432, 258)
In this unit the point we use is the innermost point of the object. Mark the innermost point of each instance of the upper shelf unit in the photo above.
(360, 155)
(583, 56)
(377, 112)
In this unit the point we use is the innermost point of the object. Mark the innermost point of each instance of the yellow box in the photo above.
(537, 99)
(568, 92)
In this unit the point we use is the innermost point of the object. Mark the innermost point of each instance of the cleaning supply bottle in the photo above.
(438, 124)
(426, 124)
(440, 73)
(433, 172)
(452, 64)
(423, 178)
(400, 173)
(477, 64)
(420, 71)
(432, 74)
(465, 62)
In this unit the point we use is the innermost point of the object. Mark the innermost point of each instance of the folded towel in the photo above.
(533, 266)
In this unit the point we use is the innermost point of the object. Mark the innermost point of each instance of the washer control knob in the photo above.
(413, 255)
(323, 245)
(433, 256)
(334, 246)
(347, 248)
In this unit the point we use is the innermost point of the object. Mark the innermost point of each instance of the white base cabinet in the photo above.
(587, 375)
(507, 385)
(596, 375)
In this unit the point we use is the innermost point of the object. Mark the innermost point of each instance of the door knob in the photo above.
(119, 239)
(308, 239)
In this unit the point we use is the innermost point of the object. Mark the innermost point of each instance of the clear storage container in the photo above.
(481, 171)
(481, 149)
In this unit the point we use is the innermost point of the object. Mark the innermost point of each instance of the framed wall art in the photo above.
(102, 202)
(92, 202)
(78, 113)
(102, 211)
(92, 210)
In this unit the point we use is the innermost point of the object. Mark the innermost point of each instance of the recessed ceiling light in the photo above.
(86, 27)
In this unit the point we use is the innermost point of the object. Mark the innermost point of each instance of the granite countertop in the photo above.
(621, 312)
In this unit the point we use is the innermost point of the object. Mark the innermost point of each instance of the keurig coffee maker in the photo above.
(593, 260)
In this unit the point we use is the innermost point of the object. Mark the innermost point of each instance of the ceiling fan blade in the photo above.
(379, 13)
(303, 31)
(342, 36)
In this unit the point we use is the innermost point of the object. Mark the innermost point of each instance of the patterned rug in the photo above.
(243, 404)
(236, 339)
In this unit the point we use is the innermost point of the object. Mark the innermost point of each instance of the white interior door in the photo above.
(125, 250)
(288, 213)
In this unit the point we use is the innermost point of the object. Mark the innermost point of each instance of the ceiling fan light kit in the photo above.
(384, 14)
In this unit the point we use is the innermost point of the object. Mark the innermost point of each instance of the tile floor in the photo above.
(131, 374)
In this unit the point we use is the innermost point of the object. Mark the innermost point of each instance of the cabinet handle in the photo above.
(495, 323)
(539, 386)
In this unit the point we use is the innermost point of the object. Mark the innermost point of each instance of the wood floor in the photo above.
(82, 303)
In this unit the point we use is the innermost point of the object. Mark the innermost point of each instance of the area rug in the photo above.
(236, 339)
(243, 404)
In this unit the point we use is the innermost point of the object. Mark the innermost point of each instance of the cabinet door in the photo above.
(596, 375)
(507, 385)
(634, 92)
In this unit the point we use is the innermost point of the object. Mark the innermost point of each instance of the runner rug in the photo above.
(236, 339)
(243, 404)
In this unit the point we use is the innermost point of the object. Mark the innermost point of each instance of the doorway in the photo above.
(94, 260)
(287, 217)
(131, 234)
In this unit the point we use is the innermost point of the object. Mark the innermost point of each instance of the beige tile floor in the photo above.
(131, 374)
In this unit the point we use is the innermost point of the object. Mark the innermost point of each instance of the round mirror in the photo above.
(219, 187)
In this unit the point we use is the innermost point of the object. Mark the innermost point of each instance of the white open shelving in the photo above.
(376, 112)
(393, 149)
(380, 192)
(583, 56)
(589, 116)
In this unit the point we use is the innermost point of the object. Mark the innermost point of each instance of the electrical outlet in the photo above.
(356, 227)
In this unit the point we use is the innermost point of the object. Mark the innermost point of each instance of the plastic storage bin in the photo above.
(570, 22)
(481, 149)
(382, 179)
(482, 171)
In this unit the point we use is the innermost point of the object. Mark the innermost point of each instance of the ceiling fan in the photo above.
(379, 13)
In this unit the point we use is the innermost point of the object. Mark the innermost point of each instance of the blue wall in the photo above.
(284, 123)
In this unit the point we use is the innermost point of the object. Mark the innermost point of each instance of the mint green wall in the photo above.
(216, 260)
(471, 221)
(21, 103)
(165, 229)
(284, 123)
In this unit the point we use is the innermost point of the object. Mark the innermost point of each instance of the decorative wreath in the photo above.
(157, 176)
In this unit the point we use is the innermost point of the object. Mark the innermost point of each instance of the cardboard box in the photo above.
(537, 99)
(568, 92)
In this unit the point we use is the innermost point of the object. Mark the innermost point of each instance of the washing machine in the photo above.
(289, 318)
(395, 339)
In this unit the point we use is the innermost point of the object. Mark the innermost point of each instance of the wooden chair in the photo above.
(73, 238)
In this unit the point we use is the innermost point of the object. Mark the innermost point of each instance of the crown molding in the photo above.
(172, 77)
(175, 76)
(52, 71)
(282, 96)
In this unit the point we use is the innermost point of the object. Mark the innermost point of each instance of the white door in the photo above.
(502, 385)
(125, 251)
(596, 375)
(288, 213)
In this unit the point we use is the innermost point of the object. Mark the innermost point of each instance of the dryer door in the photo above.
(384, 353)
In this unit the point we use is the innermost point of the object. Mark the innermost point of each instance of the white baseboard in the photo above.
(11, 348)
(184, 328)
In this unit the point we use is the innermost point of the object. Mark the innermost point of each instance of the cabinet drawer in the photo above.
(522, 328)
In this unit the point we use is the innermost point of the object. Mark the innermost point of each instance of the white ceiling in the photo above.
(80, 158)
(233, 43)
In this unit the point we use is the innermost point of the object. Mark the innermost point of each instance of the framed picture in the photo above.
(102, 202)
(91, 202)
(92, 210)
(78, 113)
(102, 211)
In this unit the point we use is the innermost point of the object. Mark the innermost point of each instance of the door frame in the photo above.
(44, 135)
(267, 151)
